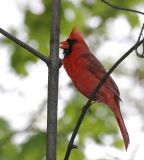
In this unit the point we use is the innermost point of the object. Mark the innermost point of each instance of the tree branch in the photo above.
(88, 104)
(25, 46)
(141, 55)
(53, 82)
(121, 8)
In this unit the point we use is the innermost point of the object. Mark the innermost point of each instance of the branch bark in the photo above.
(53, 82)
(88, 104)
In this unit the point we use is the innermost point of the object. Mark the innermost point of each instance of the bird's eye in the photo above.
(71, 41)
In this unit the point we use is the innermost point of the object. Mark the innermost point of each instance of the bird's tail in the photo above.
(114, 105)
(122, 127)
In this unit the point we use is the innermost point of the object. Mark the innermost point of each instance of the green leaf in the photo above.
(8, 150)
(5, 129)
(20, 58)
(34, 147)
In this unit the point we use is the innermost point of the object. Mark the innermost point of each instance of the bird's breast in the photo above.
(84, 81)
(73, 66)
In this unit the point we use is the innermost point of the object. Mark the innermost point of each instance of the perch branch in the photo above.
(25, 46)
(88, 104)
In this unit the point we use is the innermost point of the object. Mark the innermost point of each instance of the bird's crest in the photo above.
(75, 34)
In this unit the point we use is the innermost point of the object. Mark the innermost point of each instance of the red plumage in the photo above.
(86, 71)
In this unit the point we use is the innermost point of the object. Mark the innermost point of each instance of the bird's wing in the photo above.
(98, 70)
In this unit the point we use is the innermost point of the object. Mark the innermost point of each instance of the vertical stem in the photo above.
(53, 82)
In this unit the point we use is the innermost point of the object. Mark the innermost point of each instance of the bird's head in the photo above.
(74, 42)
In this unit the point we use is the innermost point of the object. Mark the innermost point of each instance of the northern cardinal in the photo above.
(86, 71)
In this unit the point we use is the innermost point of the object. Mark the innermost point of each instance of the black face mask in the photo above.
(68, 50)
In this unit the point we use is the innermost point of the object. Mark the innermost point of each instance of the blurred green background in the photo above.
(109, 33)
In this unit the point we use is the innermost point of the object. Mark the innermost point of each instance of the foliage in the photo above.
(32, 148)
(39, 24)
(94, 126)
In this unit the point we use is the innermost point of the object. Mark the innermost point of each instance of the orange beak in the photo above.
(64, 45)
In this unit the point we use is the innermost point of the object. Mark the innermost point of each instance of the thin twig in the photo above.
(141, 55)
(88, 104)
(36, 115)
(25, 46)
(121, 8)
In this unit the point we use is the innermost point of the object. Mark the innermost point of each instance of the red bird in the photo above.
(86, 71)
